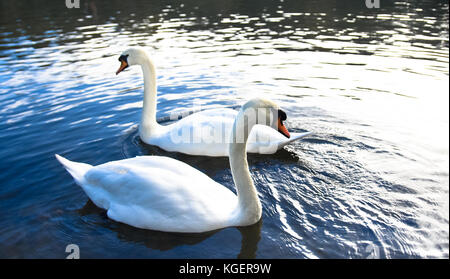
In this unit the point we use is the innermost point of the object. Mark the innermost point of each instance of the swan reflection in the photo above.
(164, 241)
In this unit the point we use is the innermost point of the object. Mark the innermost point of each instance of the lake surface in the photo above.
(372, 84)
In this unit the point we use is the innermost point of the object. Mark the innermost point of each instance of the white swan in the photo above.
(203, 133)
(164, 194)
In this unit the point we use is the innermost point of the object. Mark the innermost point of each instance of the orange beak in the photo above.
(123, 66)
(282, 129)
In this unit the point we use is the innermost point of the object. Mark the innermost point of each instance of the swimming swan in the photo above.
(202, 133)
(164, 194)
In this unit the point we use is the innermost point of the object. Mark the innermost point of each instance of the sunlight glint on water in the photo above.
(371, 84)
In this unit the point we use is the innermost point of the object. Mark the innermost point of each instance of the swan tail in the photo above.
(77, 170)
(294, 137)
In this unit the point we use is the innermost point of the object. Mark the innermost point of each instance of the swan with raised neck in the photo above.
(255, 111)
(138, 56)
(199, 125)
(161, 193)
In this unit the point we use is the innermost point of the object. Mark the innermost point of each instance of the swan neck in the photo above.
(148, 118)
(249, 206)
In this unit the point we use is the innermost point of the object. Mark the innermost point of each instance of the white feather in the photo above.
(202, 133)
(161, 193)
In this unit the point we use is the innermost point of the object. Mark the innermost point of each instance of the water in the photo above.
(372, 84)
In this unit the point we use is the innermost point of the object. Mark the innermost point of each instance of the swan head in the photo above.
(130, 57)
(265, 112)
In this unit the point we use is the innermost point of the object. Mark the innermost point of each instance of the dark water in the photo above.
(372, 84)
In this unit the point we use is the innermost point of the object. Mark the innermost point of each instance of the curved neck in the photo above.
(249, 204)
(148, 118)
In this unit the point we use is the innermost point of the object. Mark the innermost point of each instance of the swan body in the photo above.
(158, 193)
(208, 133)
(161, 193)
(203, 133)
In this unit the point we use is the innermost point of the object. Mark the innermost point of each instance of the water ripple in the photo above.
(371, 85)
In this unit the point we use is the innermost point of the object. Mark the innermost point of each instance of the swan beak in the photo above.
(282, 129)
(123, 66)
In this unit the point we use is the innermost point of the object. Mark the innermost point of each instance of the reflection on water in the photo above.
(165, 241)
(372, 84)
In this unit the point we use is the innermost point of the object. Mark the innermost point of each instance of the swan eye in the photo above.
(123, 58)
(123, 63)
(282, 115)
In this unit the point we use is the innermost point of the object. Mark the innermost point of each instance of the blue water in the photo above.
(372, 84)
